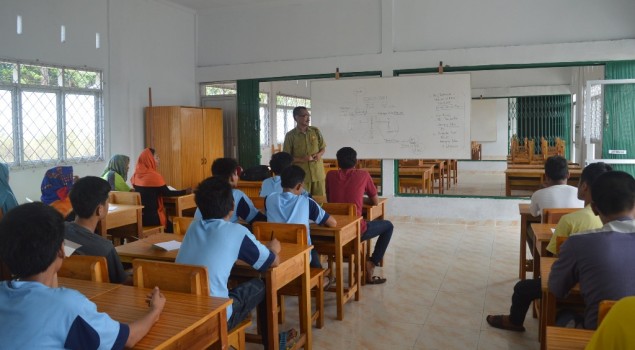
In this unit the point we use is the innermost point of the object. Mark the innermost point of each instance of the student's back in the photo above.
(34, 316)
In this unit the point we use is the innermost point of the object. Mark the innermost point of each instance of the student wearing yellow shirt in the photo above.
(616, 331)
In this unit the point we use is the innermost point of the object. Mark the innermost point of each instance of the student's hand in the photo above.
(274, 246)
(316, 156)
(156, 300)
(188, 190)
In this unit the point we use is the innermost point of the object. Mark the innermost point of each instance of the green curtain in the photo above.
(619, 114)
(544, 116)
(248, 122)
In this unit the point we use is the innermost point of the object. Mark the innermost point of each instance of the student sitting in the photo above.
(7, 198)
(217, 243)
(152, 188)
(34, 312)
(227, 169)
(56, 185)
(279, 161)
(616, 331)
(602, 261)
(116, 173)
(89, 197)
(292, 208)
(348, 185)
(557, 193)
(580, 221)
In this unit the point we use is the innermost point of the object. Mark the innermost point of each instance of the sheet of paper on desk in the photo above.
(112, 207)
(70, 247)
(553, 230)
(168, 246)
(171, 188)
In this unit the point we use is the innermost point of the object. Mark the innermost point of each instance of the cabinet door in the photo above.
(192, 160)
(213, 135)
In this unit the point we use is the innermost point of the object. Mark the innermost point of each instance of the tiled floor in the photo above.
(443, 280)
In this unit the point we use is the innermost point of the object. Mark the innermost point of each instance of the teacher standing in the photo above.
(306, 144)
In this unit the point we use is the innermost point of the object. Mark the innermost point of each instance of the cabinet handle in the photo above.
(202, 161)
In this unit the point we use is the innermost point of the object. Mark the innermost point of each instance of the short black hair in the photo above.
(297, 110)
(224, 168)
(346, 157)
(592, 171)
(214, 198)
(280, 161)
(292, 176)
(31, 235)
(556, 168)
(87, 193)
(613, 192)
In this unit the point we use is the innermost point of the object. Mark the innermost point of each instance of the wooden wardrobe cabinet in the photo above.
(187, 140)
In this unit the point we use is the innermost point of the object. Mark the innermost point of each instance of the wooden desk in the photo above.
(176, 206)
(559, 338)
(548, 301)
(293, 259)
(525, 219)
(542, 236)
(372, 212)
(121, 215)
(294, 263)
(532, 179)
(347, 230)
(89, 288)
(142, 249)
(187, 321)
(250, 188)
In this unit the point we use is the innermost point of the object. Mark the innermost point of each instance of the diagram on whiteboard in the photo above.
(395, 118)
(373, 119)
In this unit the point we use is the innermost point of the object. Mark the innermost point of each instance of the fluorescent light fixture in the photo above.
(19, 25)
(63, 33)
(97, 41)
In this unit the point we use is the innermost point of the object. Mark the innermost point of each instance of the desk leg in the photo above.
(508, 190)
(339, 276)
(305, 304)
(222, 322)
(523, 249)
(359, 262)
(272, 312)
(547, 316)
(139, 224)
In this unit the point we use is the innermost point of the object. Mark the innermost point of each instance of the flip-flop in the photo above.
(288, 338)
(503, 322)
(376, 280)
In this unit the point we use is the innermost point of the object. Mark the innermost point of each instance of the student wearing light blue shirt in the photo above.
(226, 169)
(34, 312)
(279, 161)
(293, 208)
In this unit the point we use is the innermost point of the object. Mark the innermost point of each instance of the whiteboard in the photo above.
(483, 120)
(395, 118)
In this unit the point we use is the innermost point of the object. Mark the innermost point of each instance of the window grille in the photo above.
(50, 114)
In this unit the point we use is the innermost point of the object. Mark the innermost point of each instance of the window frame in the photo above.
(61, 93)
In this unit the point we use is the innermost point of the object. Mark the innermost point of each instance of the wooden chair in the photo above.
(131, 198)
(250, 188)
(319, 199)
(180, 224)
(182, 278)
(294, 233)
(259, 202)
(327, 248)
(604, 308)
(85, 267)
(553, 215)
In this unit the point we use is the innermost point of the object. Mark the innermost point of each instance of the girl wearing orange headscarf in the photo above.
(151, 186)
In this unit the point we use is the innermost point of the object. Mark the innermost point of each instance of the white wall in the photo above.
(144, 43)
(496, 150)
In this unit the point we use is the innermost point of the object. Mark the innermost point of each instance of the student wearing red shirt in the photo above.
(349, 185)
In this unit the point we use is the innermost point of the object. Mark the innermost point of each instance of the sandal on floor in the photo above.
(503, 322)
(376, 280)
(288, 339)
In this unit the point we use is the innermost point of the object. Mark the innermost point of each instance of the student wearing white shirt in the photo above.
(557, 193)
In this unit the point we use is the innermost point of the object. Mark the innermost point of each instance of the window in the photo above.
(284, 113)
(597, 112)
(50, 114)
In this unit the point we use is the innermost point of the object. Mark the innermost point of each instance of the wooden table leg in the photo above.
(523, 243)
(272, 313)
(339, 276)
(305, 305)
(222, 334)
(359, 262)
